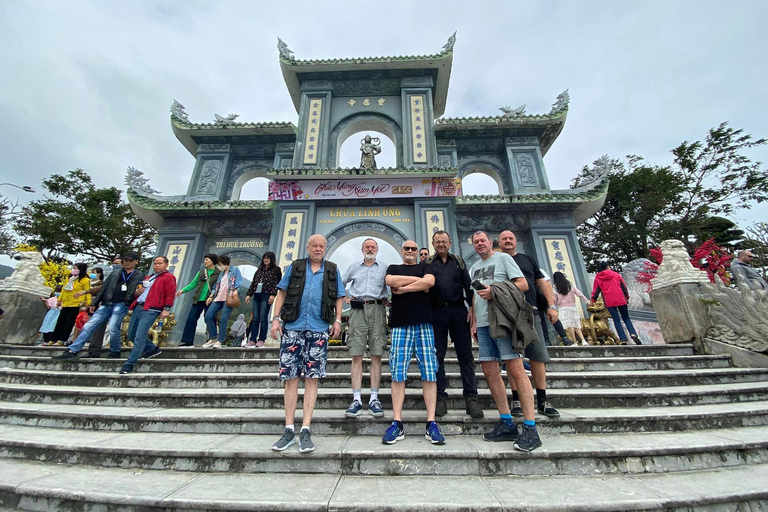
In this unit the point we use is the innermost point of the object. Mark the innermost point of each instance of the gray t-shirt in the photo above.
(499, 267)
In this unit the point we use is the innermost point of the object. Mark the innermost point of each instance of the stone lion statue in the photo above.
(28, 268)
(596, 328)
(639, 298)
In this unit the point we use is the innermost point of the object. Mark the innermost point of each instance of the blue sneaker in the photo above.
(393, 434)
(434, 434)
(526, 365)
(354, 410)
(375, 407)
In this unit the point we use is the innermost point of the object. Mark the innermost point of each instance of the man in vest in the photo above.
(449, 313)
(411, 321)
(367, 324)
(310, 297)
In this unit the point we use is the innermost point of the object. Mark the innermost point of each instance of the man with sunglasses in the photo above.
(411, 322)
(113, 300)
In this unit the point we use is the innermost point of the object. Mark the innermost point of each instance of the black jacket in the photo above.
(105, 294)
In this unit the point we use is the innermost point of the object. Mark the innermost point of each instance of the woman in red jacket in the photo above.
(615, 294)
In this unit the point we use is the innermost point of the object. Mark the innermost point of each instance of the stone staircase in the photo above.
(641, 428)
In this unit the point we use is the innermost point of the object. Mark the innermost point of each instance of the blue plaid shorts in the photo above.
(420, 337)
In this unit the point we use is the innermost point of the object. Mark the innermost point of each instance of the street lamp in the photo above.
(25, 188)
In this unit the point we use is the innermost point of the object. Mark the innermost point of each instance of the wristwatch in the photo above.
(276, 317)
(337, 320)
(552, 306)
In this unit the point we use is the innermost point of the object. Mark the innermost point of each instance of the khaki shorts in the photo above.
(367, 327)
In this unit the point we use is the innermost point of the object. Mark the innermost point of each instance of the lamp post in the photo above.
(25, 188)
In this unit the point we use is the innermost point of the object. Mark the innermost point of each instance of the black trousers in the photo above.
(453, 319)
(65, 323)
(198, 307)
(545, 327)
(97, 340)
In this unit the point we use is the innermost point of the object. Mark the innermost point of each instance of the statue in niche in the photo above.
(209, 178)
(369, 147)
(527, 174)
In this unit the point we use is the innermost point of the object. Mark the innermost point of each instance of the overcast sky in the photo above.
(89, 84)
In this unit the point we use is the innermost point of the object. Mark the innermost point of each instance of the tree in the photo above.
(81, 219)
(8, 213)
(689, 200)
(757, 243)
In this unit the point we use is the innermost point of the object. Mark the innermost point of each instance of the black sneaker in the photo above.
(126, 370)
(636, 339)
(66, 356)
(529, 439)
(502, 432)
(94, 355)
(473, 407)
(516, 409)
(441, 409)
(567, 342)
(114, 355)
(305, 441)
(547, 410)
(287, 439)
(153, 353)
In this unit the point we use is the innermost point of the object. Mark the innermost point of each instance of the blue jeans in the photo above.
(141, 343)
(260, 322)
(210, 320)
(624, 310)
(114, 313)
(130, 334)
(188, 336)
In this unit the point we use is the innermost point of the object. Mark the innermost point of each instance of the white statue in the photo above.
(676, 267)
(26, 276)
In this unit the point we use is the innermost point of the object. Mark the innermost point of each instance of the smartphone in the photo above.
(477, 285)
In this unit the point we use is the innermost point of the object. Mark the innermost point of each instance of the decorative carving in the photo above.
(369, 147)
(213, 148)
(381, 101)
(351, 102)
(209, 177)
(225, 121)
(385, 86)
(517, 222)
(738, 317)
(285, 146)
(526, 168)
(522, 141)
(445, 160)
(448, 47)
(676, 267)
(561, 102)
(182, 225)
(284, 51)
(177, 111)
(639, 298)
(416, 81)
(238, 227)
(286, 163)
(253, 151)
(135, 179)
(480, 146)
(599, 170)
(513, 113)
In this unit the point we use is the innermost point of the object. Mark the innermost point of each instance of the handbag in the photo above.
(233, 301)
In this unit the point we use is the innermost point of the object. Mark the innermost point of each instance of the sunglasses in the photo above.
(411, 249)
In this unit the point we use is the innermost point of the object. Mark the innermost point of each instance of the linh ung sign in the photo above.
(363, 189)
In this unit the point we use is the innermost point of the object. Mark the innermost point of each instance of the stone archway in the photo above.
(242, 174)
(372, 228)
(361, 122)
(486, 167)
(243, 257)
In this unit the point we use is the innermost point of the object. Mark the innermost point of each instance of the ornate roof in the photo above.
(310, 173)
(441, 62)
(185, 130)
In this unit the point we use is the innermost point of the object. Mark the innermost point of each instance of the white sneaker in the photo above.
(216, 344)
(209, 343)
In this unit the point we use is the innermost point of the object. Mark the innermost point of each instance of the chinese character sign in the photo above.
(175, 255)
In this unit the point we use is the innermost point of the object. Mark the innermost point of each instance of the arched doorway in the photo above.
(365, 123)
(481, 178)
(385, 235)
(249, 180)
(349, 152)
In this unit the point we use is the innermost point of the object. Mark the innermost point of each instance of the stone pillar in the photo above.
(676, 296)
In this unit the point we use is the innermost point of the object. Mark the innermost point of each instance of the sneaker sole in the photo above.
(278, 449)
(377, 414)
(522, 449)
(428, 438)
(398, 438)
(306, 450)
(556, 415)
(517, 414)
(353, 414)
(153, 355)
(502, 439)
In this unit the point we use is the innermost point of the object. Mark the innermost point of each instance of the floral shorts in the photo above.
(306, 350)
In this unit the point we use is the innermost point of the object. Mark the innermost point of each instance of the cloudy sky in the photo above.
(89, 84)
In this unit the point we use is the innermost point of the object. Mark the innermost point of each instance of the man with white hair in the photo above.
(309, 299)
(745, 276)
(367, 296)
(411, 321)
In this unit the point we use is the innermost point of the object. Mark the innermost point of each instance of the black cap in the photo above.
(131, 256)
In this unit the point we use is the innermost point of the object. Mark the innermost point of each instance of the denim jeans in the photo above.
(624, 310)
(141, 343)
(188, 336)
(210, 320)
(260, 323)
(114, 313)
(131, 332)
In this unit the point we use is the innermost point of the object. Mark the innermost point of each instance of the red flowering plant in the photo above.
(650, 268)
(708, 256)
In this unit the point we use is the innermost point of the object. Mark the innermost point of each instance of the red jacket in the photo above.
(613, 288)
(162, 292)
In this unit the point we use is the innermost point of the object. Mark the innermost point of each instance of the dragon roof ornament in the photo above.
(513, 113)
(561, 102)
(285, 52)
(177, 111)
(225, 121)
(135, 179)
(448, 47)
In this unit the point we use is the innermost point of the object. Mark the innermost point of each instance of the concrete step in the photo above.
(29, 485)
(574, 454)
(555, 380)
(246, 420)
(344, 364)
(341, 351)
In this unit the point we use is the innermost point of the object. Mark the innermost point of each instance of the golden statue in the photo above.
(158, 338)
(596, 327)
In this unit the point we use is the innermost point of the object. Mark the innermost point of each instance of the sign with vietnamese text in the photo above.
(363, 189)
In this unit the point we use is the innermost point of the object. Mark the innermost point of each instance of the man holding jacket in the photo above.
(495, 267)
(112, 300)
